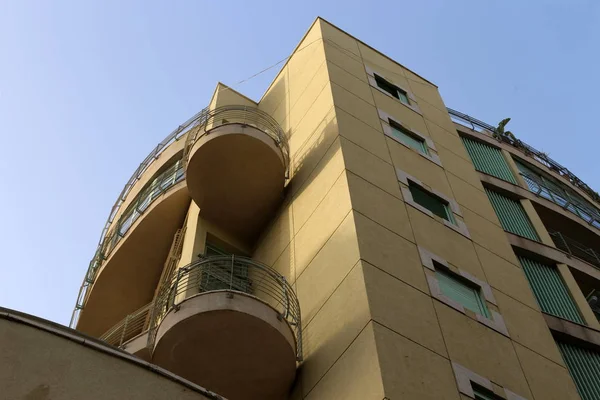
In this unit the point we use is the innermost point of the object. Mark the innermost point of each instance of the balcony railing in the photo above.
(561, 198)
(233, 274)
(128, 328)
(575, 248)
(479, 126)
(252, 116)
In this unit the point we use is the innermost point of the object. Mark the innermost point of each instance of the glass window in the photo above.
(461, 290)
(431, 202)
(482, 393)
(408, 138)
(391, 89)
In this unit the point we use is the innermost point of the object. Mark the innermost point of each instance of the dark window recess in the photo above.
(391, 89)
(482, 393)
(431, 202)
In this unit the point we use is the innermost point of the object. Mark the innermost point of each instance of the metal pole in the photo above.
(231, 277)
(124, 329)
(564, 242)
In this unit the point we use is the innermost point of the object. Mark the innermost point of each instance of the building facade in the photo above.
(349, 237)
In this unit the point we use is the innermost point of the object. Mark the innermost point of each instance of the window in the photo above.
(408, 138)
(437, 206)
(391, 89)
(462, 291)
(482, 393)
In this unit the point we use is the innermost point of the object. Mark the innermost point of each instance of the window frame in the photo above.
(423, 148)
(449, 215)
(494, 321)
(468, 381)
(391, 89)
(411, 100)
(442, 271)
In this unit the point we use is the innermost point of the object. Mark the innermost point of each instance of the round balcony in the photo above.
(231, 325)
(236, 168)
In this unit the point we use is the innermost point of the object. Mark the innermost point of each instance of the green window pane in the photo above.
(461, 291)
(409, 139)
(431, 202)
(550, 290)
(488, 159)
(512, 215)
(391, 89)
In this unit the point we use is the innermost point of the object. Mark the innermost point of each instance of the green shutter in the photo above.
(550, 290)
(410, 140)
(584, 366)
(431, 202)
(512, 215)
(462, 292)
(489, 160)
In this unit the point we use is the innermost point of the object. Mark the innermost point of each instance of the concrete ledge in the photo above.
(73, 336)
(568, 331)
(552, 254)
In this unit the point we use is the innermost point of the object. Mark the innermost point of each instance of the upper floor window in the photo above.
(392, 89)
(408, 138)
(433, 203)
(462, 291)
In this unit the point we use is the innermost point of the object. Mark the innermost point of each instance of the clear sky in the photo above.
(88, 88)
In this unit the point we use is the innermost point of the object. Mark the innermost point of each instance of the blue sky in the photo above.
(88, 88)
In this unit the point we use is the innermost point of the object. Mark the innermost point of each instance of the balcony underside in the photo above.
(236, 175)
(128, 278)
(234, 345)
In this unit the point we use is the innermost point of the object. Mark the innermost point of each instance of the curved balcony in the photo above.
(135, 249)
(236, 167)
(231, 325)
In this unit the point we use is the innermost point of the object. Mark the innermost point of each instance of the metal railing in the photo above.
(562, 198)
(128, 328)
(479, 126)
(575, 248)
(197, 126)
(232, 274)
(252, 116)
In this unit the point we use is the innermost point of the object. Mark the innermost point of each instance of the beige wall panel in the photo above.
(354, 85)
(355, 376)
(389, 252)
(472, 198)
(276, 94)
(348, 61)
(194, 238)
(382, 64)
(403, 309)
(362, 135)
(548, 381)
(410, 371)
(459, 167)
(378, 205)
(225, 96)
(425, 91)
(527, 327)
(312, 91)
(334, 327)
(339, 39)
(322, 223)
(315, 151)
(399, 112)
(449, 140)
(38, 365)
(319, 183)
(277, 238)
(444, 242)
(413, 163)
(437, 116)
(303, 69)
(286, 265)
(370, 168)
(481, 349)
(506, 277)
(354, 105)
(329, 267)
(487, 234)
